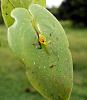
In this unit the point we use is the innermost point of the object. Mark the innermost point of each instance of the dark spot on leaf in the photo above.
(51, 95)
(32, 72)
(6, 13)
(50, 34)
(51, 66)
(30, 90)
(27, 90)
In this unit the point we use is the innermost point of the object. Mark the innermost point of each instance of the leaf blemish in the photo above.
(32, 72)
(51, 66)
(6, 13)
(50, 34)
(27, 90)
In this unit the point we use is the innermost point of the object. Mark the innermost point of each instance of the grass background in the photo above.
(13, 81)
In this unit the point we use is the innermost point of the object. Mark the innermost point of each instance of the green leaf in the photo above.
(16, 42)
(6, 10)
(49, 66)
(9, 5)
(40, 2)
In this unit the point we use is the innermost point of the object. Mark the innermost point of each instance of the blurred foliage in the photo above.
(75, 10)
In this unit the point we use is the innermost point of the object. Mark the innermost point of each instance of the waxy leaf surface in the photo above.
(49, 68)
